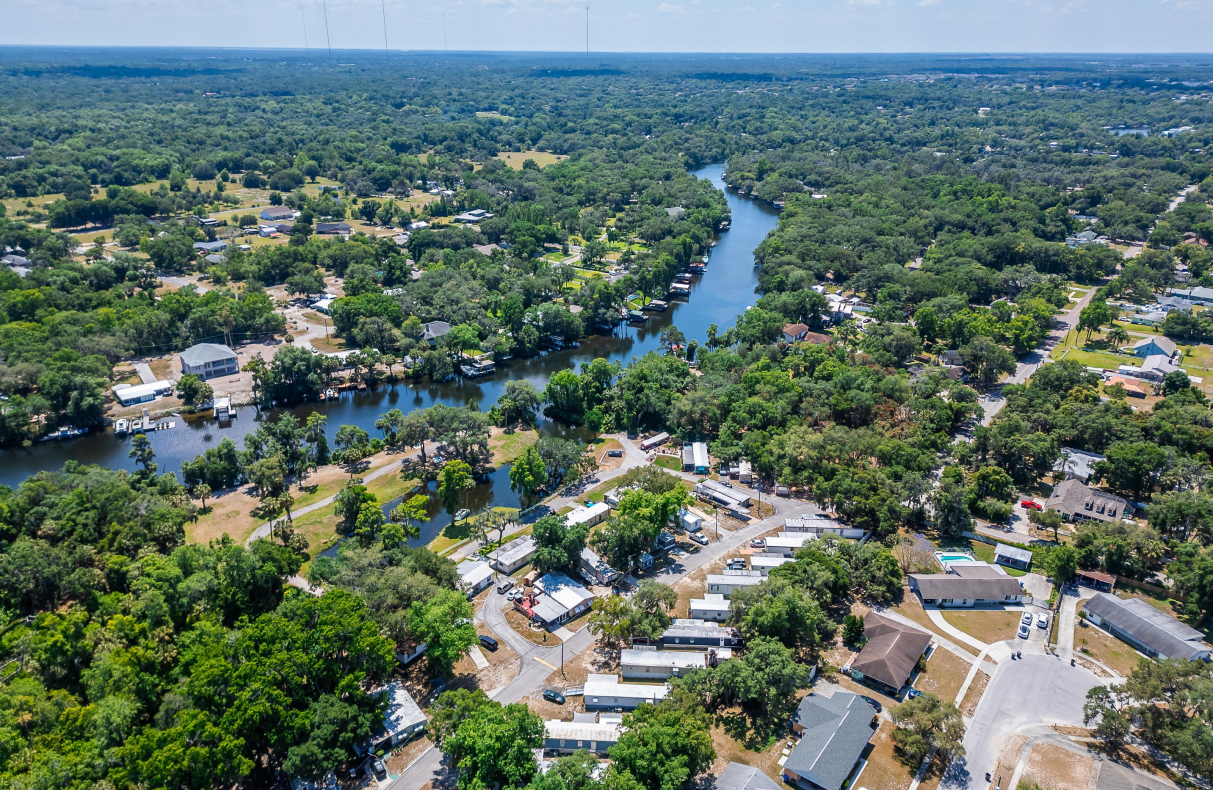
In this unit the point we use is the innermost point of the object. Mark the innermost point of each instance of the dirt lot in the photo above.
(504, 664)
(729, 750)
(884, 771)
(988, 625)
(693, 586)
(1054, 768)
(944, 675)
(596, 660)
(519, 623)
(1104, 647)
(973, 695)
(550, 710)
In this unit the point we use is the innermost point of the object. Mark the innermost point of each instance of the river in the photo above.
(717, 297)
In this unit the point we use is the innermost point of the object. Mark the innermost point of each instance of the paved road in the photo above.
(1033, 691)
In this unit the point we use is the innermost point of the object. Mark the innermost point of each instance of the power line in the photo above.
(306, 48)
(383, 8)
(587, 30)
(444, 49)
(327, 40)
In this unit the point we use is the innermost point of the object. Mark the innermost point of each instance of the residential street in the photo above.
(1035, 691)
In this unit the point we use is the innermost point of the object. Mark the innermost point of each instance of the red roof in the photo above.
(795, 330)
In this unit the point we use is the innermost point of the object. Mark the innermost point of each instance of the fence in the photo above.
(1151, 588)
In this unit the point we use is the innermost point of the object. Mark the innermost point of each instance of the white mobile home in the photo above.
(765, 563)
(788, 544)
(594, 514)
(474, 576)
(820, 524)
(712, 606)
(513, 555)
(402, 720)
(566, 737)
(722, 584)
(605, 692)
(664, 664)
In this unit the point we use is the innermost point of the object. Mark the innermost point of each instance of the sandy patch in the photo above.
(1054, 768)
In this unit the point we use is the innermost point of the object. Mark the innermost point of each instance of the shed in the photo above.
(1012, 556)
(1097, 579)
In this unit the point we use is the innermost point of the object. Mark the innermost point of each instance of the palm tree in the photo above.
(1117, 336)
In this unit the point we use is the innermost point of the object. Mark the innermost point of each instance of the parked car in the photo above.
(1024, 631)
(378, 768)
(614, 453)
(505, 585)
(553, 696)
(726, 483)
(488, 642)
(700, 538)
(1042, 621)
(1026, 619)
(515, 594)
(1032, 504)
(758, 543)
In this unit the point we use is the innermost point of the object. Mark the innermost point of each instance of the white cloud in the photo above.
(929, 2)
(863, 2)
(669, 8)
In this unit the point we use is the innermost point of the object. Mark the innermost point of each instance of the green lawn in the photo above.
(1097, 359)
(669, 462)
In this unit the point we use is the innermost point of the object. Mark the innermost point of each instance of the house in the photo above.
(215, 259)
(688, 633)
(833, 732)
(278, 213)
(725, 584)
(323, 305)
(793, 333)
(1146, 629)
(473, 216)
(513, 555)
(892, 651)
(1076, 502)
(745, 472)
(695, 458)
(142, 393)
(951, 357)
(1134, 389)
(585, 731)
(736, 776)
(1156, 367)
(328, 228)
(595, 569)
(732, 498)
(712, 606)
(1012, 556)
(690, 520)
(474, 576)
(1193, 296)
(663, 542)
(402, 720)
(329, 782)
(1076, 464)
(554, 599)
(967, 585)
(485, 249)
(1148, 318)
(606, 692)
(210, 246)
(594, 514)
(12, 259)
(765, 563)
(676, 212)
(1097, 580)
(788, 543)
(653, 441)
(208, 360)
(820, 524)
(434, 331)
(663, 664)
(1157, 344)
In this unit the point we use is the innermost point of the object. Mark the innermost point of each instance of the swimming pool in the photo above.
(954, 558)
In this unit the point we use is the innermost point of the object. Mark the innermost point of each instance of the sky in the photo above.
(801, 26)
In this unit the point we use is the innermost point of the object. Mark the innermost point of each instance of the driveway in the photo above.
(1033, 691)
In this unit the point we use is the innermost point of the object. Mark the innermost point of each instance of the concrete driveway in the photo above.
(1033, 691)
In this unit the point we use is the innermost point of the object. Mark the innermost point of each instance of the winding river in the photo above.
(717, 297)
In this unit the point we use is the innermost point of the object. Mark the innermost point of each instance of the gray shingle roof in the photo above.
(1168, 636)
(736, 776)
(969, 582)
(435, 330)
(892, 650)
(1071, 497)
(206, 352)
(837, 729)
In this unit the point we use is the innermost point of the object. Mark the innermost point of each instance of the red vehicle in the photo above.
(1032, 504)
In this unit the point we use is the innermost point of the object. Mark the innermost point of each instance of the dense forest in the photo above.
(943, 197)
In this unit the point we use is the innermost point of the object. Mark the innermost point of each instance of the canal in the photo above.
(717, 297)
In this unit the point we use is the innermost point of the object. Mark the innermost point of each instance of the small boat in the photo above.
(122, 426)
(705, 259)
(635, 315)
(330, 394)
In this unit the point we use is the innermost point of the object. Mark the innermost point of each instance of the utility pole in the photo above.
(383, 9)
(327, 40)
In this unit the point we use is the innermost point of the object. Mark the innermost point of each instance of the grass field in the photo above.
(1104, 648)
(985, 624)
(542, 158)
(944, 675)
(508, 446)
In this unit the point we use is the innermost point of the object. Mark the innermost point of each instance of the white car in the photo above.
(1024, 631)
(1042, 621)
(1026, 619)
(700, 538)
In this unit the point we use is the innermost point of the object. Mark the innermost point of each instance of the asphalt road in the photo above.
(1033, 691)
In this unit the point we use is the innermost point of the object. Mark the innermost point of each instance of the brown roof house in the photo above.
(967, 585)
(1077, 502)
(890, 655)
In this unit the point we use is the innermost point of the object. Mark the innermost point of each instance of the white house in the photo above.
(765, 563)
(691, 520)
(402, 720)
(585, 731)
(142, 393)
(513, 555)
(474, 576)
(713, 607)
(208, 360)
(594, 514)
(664, 664)
(606, 692)
(1148, 346)
(554, 599)
(725, 584)
(595, 569)
(788, 543)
